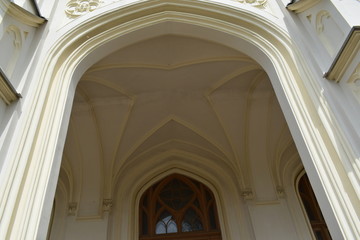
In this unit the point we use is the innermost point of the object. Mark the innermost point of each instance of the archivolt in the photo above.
(142, 175)
(87, 40)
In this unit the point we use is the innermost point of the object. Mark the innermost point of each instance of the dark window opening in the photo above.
(178, 207)
(312, 209)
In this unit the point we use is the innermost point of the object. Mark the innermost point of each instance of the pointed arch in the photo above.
(217, 178)
(84, 42)
(178, 204)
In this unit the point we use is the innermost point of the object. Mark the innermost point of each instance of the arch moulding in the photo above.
(26, 204)
(218, 178)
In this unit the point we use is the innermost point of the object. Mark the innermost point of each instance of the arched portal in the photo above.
(197, 104)
(79, 47)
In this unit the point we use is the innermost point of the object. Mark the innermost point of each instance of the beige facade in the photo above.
(102, 99)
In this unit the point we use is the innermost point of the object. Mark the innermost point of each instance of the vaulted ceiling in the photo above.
(173, 93)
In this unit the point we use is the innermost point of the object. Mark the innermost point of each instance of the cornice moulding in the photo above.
(302, 5)
(24, 16)
(345, 56)
(7, 91)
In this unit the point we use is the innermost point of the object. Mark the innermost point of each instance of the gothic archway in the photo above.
(78, 48)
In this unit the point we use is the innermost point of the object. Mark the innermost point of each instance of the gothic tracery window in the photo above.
(178, 206)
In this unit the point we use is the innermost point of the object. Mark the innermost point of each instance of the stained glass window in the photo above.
(178, 206)
(191, 221)
(166, 224)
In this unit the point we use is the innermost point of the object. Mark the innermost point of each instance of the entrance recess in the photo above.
(82, 44)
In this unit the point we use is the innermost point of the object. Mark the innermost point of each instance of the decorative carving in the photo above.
(319, 20)
(14, 33)
(254, 3)
(354, 80)
(355, 76)
(309, 17)
(329, 32)
(72, 208)
(77, 8)
(247, 194)
(280, 191)
(107, 205)
(17, 35)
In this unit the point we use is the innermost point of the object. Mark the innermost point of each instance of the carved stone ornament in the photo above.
(254, 3)
(75, 8)
(355, 76)
(280, 191)
(247, 194)
(107, 205)
(72, 208)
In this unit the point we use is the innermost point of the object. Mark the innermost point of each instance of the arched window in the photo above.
(312, 209)
(178, 206)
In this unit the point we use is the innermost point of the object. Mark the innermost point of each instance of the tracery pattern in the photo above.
(178, 205)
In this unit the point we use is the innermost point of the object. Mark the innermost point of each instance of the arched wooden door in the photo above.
(178, 208)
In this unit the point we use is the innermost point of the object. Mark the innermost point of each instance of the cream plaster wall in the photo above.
(15, 43)
(326, 30)
(267, 226)
(336, 95)
(90, 229)
(348, 11)
(17, 49)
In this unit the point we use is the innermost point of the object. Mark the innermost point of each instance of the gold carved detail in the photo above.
(76, 8)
